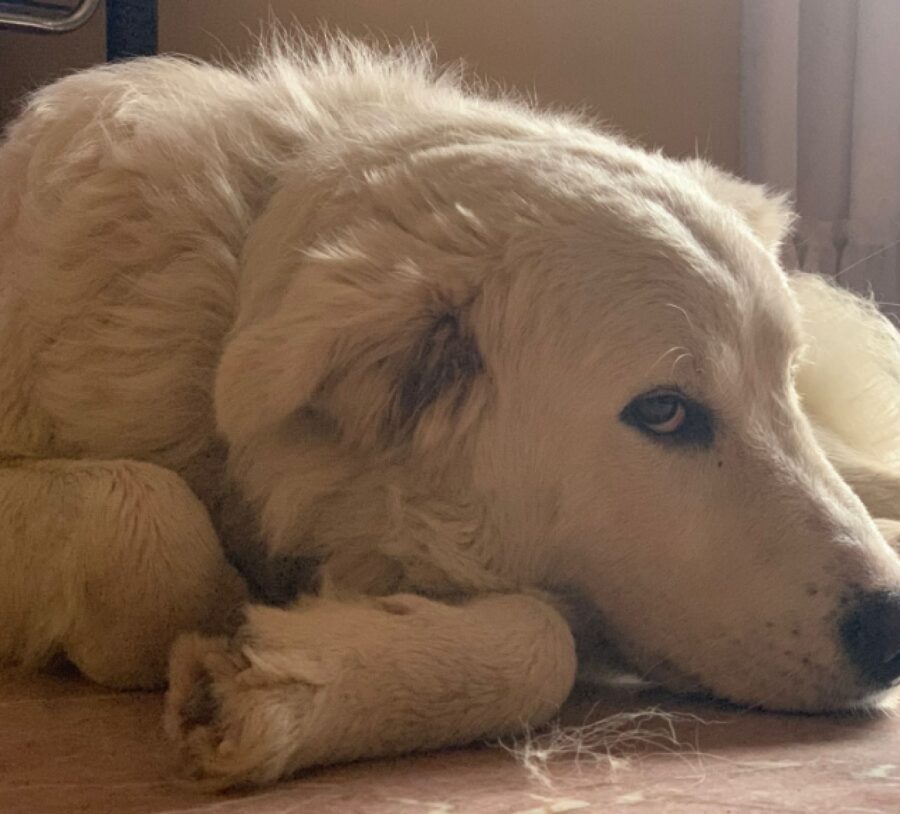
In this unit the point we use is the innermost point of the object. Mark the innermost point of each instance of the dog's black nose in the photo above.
(870, 632)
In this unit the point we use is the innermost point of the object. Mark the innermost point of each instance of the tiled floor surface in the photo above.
(69, 747)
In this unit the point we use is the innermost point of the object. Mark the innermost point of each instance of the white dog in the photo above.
(461, 370)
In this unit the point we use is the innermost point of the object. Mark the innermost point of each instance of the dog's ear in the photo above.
(769, 214)
(373, 351)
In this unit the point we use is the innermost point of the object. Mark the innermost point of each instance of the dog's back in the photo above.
(127, 194)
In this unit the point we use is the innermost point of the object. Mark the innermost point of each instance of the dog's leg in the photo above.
(877, 487)
(105, 562)
(330, 681)
(890, 530)
(876, 484)
(849, 381)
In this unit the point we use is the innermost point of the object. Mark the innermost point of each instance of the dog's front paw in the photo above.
(236, 723)
(327, 681)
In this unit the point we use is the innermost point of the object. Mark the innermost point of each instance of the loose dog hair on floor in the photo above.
(471, 394)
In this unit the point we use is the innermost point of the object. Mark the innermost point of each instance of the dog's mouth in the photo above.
(601, 661)
(666, 673)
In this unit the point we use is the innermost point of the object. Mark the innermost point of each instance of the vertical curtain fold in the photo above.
(821, 119)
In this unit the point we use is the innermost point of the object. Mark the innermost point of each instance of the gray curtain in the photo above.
(821, 119)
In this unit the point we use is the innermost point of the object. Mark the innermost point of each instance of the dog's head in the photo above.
(553, 360)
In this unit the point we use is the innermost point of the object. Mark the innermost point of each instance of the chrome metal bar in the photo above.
(46, 18)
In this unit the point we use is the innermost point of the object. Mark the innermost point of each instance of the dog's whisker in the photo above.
(866, 259)
(683, 312)
(674, 349)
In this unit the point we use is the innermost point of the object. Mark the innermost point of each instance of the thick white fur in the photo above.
(220, 295)
(849, 375)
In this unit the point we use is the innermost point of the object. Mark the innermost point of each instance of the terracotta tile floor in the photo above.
(66, 746)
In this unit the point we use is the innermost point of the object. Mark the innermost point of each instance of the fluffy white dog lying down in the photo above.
(462, 370)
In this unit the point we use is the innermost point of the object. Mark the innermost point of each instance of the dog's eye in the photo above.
(669, 416)
(664, 413)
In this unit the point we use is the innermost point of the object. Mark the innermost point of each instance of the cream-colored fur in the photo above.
(343, 309)
(339, 680)
(106, 561)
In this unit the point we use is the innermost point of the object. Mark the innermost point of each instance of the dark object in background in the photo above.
(131, 29)
(131, 25)
(46, 18)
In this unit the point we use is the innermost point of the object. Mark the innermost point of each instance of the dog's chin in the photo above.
(831, 699)
(606, 661)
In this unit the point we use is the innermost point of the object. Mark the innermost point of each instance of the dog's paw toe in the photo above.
(240, 718)
(202, 676)
(200, 708)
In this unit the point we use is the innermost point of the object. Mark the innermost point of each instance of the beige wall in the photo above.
(663, 71)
